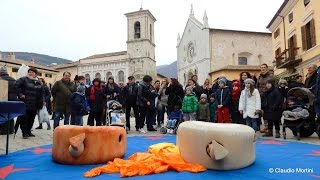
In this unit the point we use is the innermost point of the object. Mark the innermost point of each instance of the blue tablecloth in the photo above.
(11, 109)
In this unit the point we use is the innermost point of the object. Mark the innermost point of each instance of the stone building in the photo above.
(138, 60)
(13, 64)
(210, 52)
(296, 37)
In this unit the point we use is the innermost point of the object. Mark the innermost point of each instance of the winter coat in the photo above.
(295, 84)
(110, 90)
(99, 99)
(262, 81)
(272, 104)
(130, 93)
(163, 98)
(78, 103)
(213, 108)
(249, 104)
(12, 91)
(175, 95)
(310, 82)
(146, 94)
(223, 96)
(203, 111)
(190, 103)
(61, 92)
(33, 92)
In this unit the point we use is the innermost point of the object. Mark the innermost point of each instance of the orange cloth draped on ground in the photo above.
(160, 158)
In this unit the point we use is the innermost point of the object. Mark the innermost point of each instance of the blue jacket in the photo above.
(78, 103)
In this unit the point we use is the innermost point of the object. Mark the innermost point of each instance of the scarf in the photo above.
(93, 89)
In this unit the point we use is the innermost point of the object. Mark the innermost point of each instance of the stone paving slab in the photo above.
(44, 137)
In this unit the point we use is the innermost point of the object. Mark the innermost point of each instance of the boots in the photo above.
(39, 127)
(277, 134)
(268, 134)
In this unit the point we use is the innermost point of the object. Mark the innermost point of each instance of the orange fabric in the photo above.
(160, 158)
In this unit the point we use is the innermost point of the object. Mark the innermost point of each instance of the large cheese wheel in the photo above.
(217, 146)
(88, 144)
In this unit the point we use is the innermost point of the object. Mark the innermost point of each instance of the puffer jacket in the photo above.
(190, 103)
(32, 90)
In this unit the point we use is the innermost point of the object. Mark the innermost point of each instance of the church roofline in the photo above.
(141, 11)
(195, 22)
(105, 55)
(240, 31)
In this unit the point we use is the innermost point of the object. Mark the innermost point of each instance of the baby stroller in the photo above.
(115, 114)
(299, 114)
(175, 118)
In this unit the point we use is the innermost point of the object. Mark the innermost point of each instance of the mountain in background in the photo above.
(38, 58)
(168, 70)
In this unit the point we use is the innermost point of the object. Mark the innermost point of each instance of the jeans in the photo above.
(171, 123)
(252, 122)
(78, 120)
(56, 119)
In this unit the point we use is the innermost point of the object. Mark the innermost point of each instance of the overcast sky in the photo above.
(74, 29)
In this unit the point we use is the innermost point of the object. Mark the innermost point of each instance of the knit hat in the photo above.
(249, 81)
(189, 88)
(222, 80)
(81, 88)
(3, 70)
(236, 83)
(203, 96)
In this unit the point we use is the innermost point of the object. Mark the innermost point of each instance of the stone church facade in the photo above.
(137, 61)
(209, 52)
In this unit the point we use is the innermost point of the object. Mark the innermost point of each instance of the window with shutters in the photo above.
(290, 17)
(308, 35)
(276, 33)
(306, 2)
(292, 46)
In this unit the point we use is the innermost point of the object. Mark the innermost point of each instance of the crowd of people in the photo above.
(254, 101)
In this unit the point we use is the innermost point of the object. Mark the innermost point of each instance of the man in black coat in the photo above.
(12, 96)
(145, 101)
(311, 77)
(130, 93)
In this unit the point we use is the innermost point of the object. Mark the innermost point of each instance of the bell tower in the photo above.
(141, 43)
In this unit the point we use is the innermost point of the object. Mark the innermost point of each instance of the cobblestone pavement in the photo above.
(44, 137)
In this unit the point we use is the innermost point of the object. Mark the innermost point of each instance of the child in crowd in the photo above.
(213, 108)
(222, 96)
(250, 104)
(189, 105)
(203, 110)
(78, 104)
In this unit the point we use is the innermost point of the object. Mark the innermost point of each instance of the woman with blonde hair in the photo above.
(206, 88)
